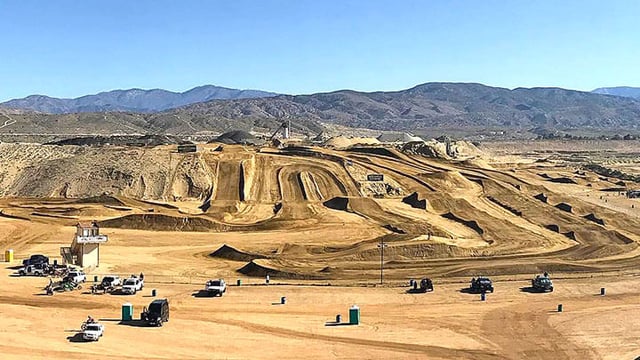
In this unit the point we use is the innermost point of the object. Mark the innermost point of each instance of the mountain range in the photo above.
(626, 91)
(426, 106)
(132, 100)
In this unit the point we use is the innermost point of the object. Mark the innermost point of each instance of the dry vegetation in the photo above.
(308, 216)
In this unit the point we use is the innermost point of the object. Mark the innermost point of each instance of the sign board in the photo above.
(375, 177)
(91, 239)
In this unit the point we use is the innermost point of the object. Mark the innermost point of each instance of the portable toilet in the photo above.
(8, 255)
(127, 312)
(354, 315)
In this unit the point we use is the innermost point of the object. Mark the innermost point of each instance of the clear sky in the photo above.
(68, 48)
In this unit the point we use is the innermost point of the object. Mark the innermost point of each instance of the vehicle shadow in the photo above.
(201, 294)
(134, 323)
(417, 291)
(333, 323)
(119, 292)
(76, 338)
(529, 289)
(466, 290)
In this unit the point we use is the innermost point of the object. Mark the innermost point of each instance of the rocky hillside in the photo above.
(132, 100)
(440, 105)
(427, 106)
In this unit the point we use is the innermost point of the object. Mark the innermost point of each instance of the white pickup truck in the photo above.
(216, 287)
(132, 285)
(93, 331)
(36, 270)
(77, 276)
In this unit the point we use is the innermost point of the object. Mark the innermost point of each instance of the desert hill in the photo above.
(625, 91)
(427, 106)
(131, 100)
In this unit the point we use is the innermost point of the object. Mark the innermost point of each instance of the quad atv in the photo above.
(70, 285)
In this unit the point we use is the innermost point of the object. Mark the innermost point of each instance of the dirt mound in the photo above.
(343, 142)
(159, 222)
(472, 224)
(146, 140)
(415, 202)
(100, 199)
(542, 197)
(431, 149)
(553, 227)
(594, 218)
(507, 207)
(231, 253)
(238, 137)
(450, 181)
(565, 207)
(337, 203)
(262, 268)
(563, 180)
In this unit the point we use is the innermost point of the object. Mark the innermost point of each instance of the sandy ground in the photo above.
(248, 322)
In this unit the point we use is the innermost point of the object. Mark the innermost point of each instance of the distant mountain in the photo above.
(426, 106)
(626, 91)
(434, 105)
(132, 100)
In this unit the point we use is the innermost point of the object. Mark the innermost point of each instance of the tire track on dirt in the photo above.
(429, 350)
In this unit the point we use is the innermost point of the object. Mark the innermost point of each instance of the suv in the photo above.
(36, 270)
(426, 285)
(481, 284)
(35, 260)
(77, 276)
(542, 283)
(92, 332)
(132, 285)
(216, 287)
(157, 313)
(111, 280)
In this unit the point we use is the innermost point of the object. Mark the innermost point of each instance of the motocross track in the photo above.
(309, 216)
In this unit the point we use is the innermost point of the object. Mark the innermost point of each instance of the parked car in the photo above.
(481, 284)
(76, 276)
(35, 259)
(132, 285)
(216, 287)
(35, 270)
(426, 285)
(111, 280)
(93, 331)
(542, 283)
(157, 313)
(107, 285)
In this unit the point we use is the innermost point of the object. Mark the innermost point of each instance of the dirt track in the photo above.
(310, 216)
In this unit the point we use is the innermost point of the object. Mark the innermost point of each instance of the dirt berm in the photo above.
(414, 201)
(231, 253)
(159, 222)
(262, 268)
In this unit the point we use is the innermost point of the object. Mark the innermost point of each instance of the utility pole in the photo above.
(382, 245)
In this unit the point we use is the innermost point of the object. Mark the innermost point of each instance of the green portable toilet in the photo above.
(354, 315)
(127, 312)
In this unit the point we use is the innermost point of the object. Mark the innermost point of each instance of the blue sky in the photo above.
(67, 48)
